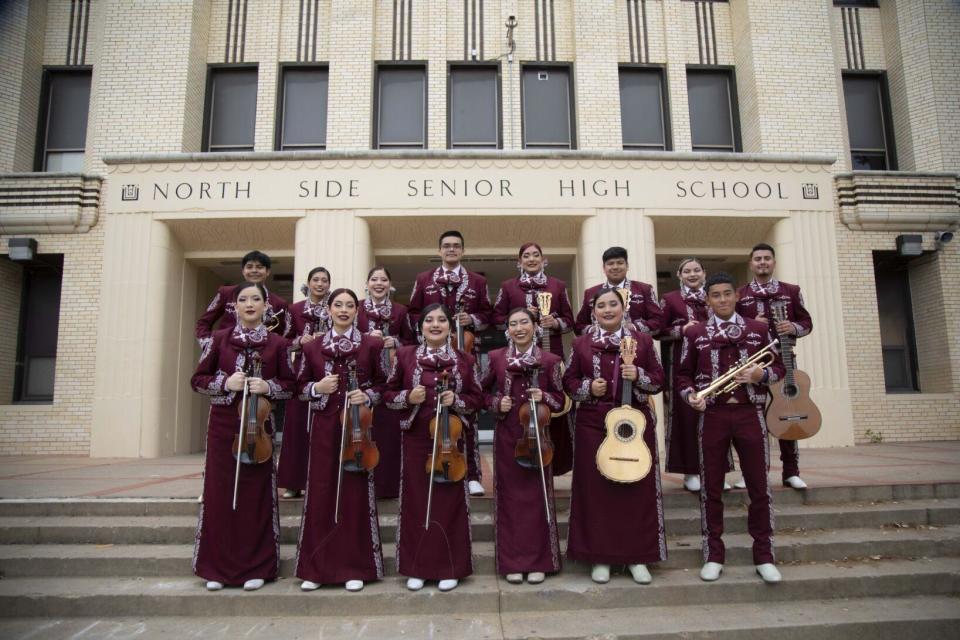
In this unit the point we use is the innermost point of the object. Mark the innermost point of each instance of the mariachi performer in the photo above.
(311, 319)
(465, 294)
(238, 534)
(382, 317)
(528, 290)
(643, 311)
(525, 515)
(340, 535)
(724, 346)
(433, 531)
(612, 522)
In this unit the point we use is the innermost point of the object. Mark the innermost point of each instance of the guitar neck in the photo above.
(626, 394)
(546, 340)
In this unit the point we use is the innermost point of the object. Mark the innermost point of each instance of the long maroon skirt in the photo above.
(525, 541)
(441, 551)
(295, 450)
(612, 522)
(386, 433)
(561, 432)
(235, 546)
(329, 552)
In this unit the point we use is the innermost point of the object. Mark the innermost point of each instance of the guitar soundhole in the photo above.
(790, 390)
(625, 432)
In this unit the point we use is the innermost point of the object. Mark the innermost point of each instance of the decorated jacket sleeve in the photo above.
(407, 333)
(686, 368)
(378, 378)
(469, 397)
(285, 329)
(564, 312)
(282, 385)
(553, 390)
(208, 378)
(501, 308)
(306, 377)
(483, 314)
(672, 328)
(584, 319)
(394, 394)
(576, 382)
(802, 320)
(204, 326)
(650, 318)
(491, 388)
(650, 374)
(416, 304)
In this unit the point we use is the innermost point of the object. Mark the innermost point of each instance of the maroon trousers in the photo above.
(743, 426)
(790, 457)
(471, 443)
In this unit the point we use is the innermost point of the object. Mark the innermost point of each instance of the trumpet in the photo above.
(727, 382)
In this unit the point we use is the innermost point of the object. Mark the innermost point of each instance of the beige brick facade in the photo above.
(151, 64)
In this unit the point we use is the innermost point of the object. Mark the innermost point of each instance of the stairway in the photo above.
(872, 562)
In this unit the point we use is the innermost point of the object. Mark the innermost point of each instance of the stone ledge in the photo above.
(898, 201)
(48, 202)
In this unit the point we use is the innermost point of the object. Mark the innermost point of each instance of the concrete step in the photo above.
(185, 596)
(907, 618)
(109, 560)
(678, 521)
(674, 498)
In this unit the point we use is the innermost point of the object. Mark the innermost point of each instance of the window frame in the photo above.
(56, 262)
(375, 116)
(282, 68)
(467, 64)
(536, 64)
(886, 115)
(212, 69)
(43, 112)
(730, 72)
(664, 103)
(863, 4)
(913, 355)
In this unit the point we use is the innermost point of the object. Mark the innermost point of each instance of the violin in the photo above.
(252, 444)
(392, 351)
(446, 462)
(462, 339)
(534, 448)
(359, 451)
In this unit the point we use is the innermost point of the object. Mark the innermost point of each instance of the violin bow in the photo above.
(343, 439)
(433, 462)
(243, 421)
(536, 431)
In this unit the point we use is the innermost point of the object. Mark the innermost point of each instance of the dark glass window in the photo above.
(642, 109)
(303, 111)
(712, 104)
(401, 121)
(547, 108)
(64, 130)
(474, 107)
(231, 109)
(895, 311)
(855, 3)
(867, 122)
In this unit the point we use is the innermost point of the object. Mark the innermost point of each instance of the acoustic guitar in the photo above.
(544, 300)
(623, 455)
(792, 414)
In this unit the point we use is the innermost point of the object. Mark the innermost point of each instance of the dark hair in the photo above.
(451, 234)
(528, 245)
(379, 268)
(317, 270)
(763, 246)
(430, 308)
(256, 256)
(349, 292)
(613, 253)
(523, 310)
(246, 285)
(720, 277)
(602, 291)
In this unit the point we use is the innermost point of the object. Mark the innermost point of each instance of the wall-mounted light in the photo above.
(21, 249)
(910, 245)
(941, 238)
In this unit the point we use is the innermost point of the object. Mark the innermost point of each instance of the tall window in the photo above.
(643, 108)
(401, 107)
(231, 109)
(474, 110)
(895, 311)
(303, 109)
(63, 130)
(868, 122)
(713, 110)
(547, 108)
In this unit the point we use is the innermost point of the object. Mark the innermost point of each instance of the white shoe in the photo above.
(691, 482)
(200, 498)
(740, 484)
(726, 486)
(448, 585)
(514, 578)
(354, 585)
(213, 585)
(795, 482)
(414, 584)
(307, 585)
(600, 573)
(291, 493)
(769, 572)
(711, 571)
(253, 585)
(641, 575)
(476, 489)
(536, 577)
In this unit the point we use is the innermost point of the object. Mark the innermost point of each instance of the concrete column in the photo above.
(807, 255)
(596, 76)
(22, 27)
(676, 57)
(337, 240)
(138, 340)
(632, 230)
(351, 76)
